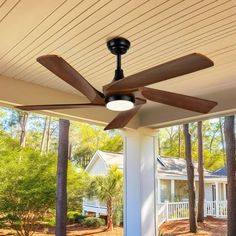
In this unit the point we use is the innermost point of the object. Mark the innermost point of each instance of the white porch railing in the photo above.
(216, 208)
(180, 210)
(94, 205)
(93, 202)
(162, 214)
(177, 210)
(223, 209)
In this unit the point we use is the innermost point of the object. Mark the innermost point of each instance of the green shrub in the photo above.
(93, 222)
(28, 192)
(118, 216)
(48, 221)
(74, 217)
(51, 222)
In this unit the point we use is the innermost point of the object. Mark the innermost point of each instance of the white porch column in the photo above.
(158, 190)
(139, 183)
(172, 190)
(224, 189)
(217, 198)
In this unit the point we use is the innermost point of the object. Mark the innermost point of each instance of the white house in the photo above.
(99, 165)
(171, 183)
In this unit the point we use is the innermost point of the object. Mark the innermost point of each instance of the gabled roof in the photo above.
(112, 159)
(159, 160)
(177, 167)
(167, 166)
(109, 158)
(221, 172)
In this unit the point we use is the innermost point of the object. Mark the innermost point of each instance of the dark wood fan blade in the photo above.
(56, 106)
(124, 117)
(181, 66)
(66, 72)
(178, 100)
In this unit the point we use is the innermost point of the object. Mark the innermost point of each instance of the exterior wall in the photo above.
(93, 205)
(98, 168)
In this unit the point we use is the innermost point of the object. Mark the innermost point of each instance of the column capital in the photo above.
(140, 131)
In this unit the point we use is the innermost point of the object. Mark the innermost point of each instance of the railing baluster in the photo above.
(180, 210)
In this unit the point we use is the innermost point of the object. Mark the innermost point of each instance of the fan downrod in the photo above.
(118, 46)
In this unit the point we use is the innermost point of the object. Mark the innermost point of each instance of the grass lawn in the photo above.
(210, 227)
(74, 230)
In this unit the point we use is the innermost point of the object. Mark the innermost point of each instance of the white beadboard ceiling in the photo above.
(159, 31)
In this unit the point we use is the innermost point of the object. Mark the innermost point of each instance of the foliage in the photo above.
(9, 119)
(171, 142)
(74, 217)
(87, 139)
(77, 184)
(49, 220)
(8, 144)
(27, 189)
(10, 123)
(118, 214)
(93, 222)
(108, 189)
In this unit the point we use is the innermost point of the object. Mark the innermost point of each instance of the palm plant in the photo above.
(108, 189)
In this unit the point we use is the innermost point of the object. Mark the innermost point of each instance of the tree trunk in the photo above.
(62, 166)
(109, 216)
(42, 146)
(231, 168)
(48, 134)
(201, 192)
(70, 152)
(212, 139)
(179, 140)
(23, 123)
(190, 174)
(222, 139)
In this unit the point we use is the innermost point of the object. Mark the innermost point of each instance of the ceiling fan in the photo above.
(128, 94)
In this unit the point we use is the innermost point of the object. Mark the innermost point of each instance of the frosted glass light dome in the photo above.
(120, 102)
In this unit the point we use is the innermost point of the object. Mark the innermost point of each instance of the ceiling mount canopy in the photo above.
(128, 94)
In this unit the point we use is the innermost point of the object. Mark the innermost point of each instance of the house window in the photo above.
(165, 190)
(181, 191)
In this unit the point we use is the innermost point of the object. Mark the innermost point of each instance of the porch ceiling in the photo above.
(77, 30)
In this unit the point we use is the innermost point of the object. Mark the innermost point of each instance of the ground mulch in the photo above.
(75, 230)
(210, 227)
